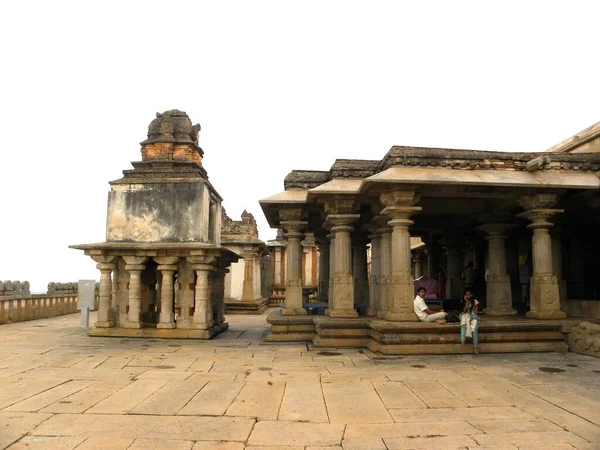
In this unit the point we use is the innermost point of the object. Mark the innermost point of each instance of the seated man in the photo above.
(422, 310)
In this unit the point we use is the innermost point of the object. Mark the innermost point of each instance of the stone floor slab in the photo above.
(86, 398)
(104, 442)
(46, 443)
(170, 398)
(434, 395)
(50, 396)
(354, 403)
(214, 399)
(303, 401)
(147, 427)
(409, 429)
(468, 414)
(396, 395)
(161, 444)
(532, 438)
(434, 442)
(258, 399)
(127, 398)
(218, 445)
(295, 433)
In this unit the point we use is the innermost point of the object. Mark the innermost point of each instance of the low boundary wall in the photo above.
(36, 306)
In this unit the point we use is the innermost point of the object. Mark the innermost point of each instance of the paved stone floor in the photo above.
(60, 389)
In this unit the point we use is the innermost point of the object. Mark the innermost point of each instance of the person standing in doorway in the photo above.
(469, 320)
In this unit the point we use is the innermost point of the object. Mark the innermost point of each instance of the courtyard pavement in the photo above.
(60, 389)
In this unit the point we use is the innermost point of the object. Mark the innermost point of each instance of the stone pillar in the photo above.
(257, 277)
(293, 281)
(219, 294)
(202, 297)
(401, 284)
(418, 264)
(453, 272)
(249, 275)
(375, 273)
(331, 238)
(544, 291)
(385, 255)
(134, 265)
(342, 304)
(323, 244)
(167, 267)
(106, 266)
(498, 288)
(359, 271)
(557, 263)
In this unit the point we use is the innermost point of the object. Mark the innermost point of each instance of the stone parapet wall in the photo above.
(581, 308)
(20, 308)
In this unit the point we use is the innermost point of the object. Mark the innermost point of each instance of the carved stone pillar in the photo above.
(557, 262)
(134, 265)
(453, 271)
(323, 244)
(106, 265)
(399, 209)
(375, 273)
(167, 267)
(359, 271)
(293, 281)
(498, 288)
(331, 238)
(418, 264)
(385, 266)
(250, 265)
(545, 296)
(218, 294)
(202, 297)
(343, 281)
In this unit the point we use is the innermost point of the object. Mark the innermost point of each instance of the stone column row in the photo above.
(134, 265)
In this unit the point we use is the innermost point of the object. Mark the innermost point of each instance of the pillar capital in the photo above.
(104, 259)
(134, 267)
(341, 220)
(291, 214)
(497, 230)
(294, 228)
(106, 266)
(167, 267)
(166, 260)
(540, 218)
(202, 267)
(538, 201)
(341, 204)
(399, 197)
(135, 260)
(400, 215)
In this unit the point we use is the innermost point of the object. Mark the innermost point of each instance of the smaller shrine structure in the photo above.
(162, 267)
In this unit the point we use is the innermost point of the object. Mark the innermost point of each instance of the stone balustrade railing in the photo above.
(9, 287)
(32, 307)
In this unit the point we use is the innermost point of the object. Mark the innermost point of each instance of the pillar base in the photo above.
(499, 311)
(132, 325)
(104, 324)
(341, 312)
(202, 325)
(546, 315)
(166, 325)
(372, 312)
(401, 317)
(380, 314)
(293, 312)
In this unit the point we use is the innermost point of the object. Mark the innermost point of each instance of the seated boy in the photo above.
(422, 310)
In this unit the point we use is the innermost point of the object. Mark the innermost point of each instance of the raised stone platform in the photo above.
(246, 307)
(496, 334)
(175, 333)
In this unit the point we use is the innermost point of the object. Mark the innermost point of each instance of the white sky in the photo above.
(276, 86)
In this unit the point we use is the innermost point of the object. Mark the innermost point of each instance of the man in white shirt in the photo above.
(422, 310)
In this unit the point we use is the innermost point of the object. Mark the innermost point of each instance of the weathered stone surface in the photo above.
(585, 338)
(295, 433)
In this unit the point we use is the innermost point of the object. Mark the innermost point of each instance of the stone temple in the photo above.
(162, 267)
(525, 222)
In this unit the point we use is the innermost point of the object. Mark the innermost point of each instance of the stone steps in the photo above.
(496, 335)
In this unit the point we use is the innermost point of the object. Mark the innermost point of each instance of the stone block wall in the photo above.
(581, 308)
